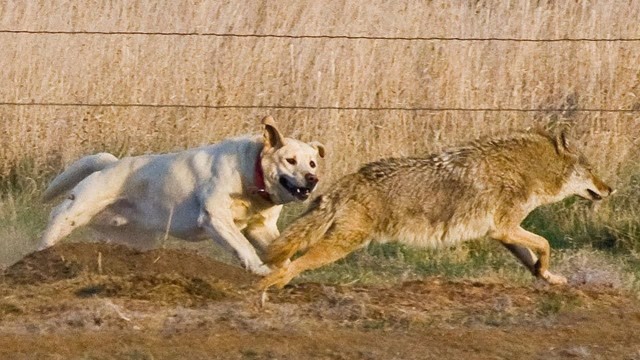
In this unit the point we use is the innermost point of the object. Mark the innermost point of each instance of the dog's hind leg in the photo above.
(88, 198)
(77, 172)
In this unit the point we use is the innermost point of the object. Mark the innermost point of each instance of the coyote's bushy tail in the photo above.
(303, 232)
(76, 173)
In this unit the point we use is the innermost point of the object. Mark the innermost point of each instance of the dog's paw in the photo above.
(261, 270)
(554, 279)
(43, 246)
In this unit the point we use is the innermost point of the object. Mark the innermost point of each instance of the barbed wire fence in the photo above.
(322, 37)
(334, 37)
(302, 107)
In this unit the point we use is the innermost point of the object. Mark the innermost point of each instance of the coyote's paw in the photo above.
(554, 279)
(279, 278)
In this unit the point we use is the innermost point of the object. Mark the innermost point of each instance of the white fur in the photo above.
(196, 194)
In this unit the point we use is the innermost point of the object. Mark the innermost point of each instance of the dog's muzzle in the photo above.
(300, 192)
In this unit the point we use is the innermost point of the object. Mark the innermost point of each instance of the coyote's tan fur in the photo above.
(484, 188)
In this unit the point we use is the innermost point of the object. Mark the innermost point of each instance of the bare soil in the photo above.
(98, 301)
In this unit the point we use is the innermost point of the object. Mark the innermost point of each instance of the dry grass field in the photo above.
(368, 79)
(316, 72)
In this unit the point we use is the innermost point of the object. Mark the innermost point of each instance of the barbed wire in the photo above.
(334, 37)
(309, 107)
(320, 107)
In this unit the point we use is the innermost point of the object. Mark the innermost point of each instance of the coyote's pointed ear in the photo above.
(319, 147)
(562, 143)
(272, 137)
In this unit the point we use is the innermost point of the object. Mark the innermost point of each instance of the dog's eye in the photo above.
(292, 161)
(312, 164)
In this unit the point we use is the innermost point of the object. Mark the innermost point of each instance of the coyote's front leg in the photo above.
(519, 241)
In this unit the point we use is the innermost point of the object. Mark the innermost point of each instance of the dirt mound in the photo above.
(87, 300)
(74, 271)
(71, 260)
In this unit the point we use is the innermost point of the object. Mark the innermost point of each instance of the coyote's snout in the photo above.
(484, 188)
(592, 187)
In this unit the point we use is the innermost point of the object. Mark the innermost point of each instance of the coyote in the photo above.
(484, 188)
(231, 192)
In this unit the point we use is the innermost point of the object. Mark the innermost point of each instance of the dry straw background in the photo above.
(466, 73)
(39, 140)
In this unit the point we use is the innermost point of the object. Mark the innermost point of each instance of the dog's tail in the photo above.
(303, 232)
(76, 172)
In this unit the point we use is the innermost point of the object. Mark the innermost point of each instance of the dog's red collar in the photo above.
(259, 181)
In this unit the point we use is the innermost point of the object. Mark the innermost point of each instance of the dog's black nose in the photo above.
(311, 179)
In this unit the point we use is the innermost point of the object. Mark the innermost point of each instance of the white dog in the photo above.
(231, 192)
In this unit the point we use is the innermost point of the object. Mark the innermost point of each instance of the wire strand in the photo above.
(336, 37)
(308, 107)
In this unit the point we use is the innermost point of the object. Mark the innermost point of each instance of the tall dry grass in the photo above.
(315, 72)
(37, 141)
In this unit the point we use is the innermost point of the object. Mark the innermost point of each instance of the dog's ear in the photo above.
(319, 147)
(272, 137)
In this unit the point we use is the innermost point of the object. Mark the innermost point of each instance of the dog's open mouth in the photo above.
(300, 193)
(594, 195)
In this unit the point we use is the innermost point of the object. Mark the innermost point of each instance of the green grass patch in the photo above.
(22, 219)
(571, 226)
(381, 263)
(614, 225)
(7, 308)
(554, 303)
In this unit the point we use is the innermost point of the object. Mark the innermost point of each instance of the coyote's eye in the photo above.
(292, 161)
(312, 164)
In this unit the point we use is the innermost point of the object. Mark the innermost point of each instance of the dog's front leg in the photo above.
(220, 226)
(264, 229)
